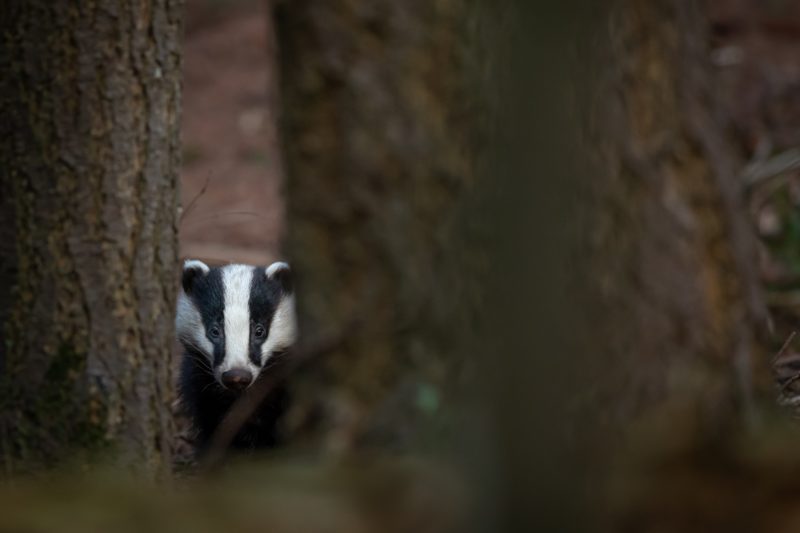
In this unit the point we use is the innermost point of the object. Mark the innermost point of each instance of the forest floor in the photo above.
(231, 161)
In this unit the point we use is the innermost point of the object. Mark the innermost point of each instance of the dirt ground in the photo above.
(231, 176)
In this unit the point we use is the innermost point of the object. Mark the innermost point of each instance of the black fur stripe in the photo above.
(208, 295)
(265, 295)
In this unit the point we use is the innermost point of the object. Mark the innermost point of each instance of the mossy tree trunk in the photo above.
(89, 150)
(641, 302)
(675, 251)
(617, 285)
(376, 135)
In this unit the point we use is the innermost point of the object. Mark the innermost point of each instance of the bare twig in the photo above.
(194, 200)
(783, 349)
(760, 171)
(790, 401)
(245, 406)
(221, 214)
(788, 382)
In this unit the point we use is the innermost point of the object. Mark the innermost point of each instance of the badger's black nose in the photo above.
(237, 378)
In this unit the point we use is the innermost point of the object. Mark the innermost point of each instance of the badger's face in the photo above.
(235, 318)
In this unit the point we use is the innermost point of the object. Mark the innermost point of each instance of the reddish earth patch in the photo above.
(230, 147)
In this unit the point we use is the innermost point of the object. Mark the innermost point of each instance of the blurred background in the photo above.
(232, 173)
(552, 250)
(231, 155)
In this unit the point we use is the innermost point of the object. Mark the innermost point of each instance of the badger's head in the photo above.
(234, 318)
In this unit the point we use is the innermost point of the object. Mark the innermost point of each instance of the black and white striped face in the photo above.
(236, 317)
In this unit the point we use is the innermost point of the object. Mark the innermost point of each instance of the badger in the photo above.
(234, 322)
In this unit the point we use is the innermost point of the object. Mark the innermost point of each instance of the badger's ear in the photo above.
(281, 273)
(192, 270)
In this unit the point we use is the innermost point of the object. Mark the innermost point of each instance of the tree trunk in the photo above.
(625, 282)
(598, 309)
(675, 254)
(90, 105)
(375, 129)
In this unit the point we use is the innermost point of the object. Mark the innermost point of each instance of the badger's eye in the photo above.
(214, 332)
(259, 331)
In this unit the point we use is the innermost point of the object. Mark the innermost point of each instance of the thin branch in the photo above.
(760, 171)
(199, 221)
(783, 349)
(194, 200)
(791, 401)
(789, 381)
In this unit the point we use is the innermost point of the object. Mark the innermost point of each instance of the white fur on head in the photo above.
(190, 264)
(188, 322)
(277, 267)
(237, 281)
(283, 330)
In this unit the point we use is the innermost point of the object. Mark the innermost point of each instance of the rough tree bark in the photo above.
(674, 248)
(667, 278)
(684, 321)
(89, 148)
(376, 140)
(654, 320)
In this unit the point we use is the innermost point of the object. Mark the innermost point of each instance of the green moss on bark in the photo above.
(88, 203)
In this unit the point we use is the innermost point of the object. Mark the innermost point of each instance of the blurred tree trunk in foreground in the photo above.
(89, 152)
(377, 168)
(665, 269)
(674, 250)
(655, 320)
(376, 135)
(683, 318)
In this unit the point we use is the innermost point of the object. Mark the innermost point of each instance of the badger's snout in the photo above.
(237, 378)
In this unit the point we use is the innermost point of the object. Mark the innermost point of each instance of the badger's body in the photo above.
(234, 322)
